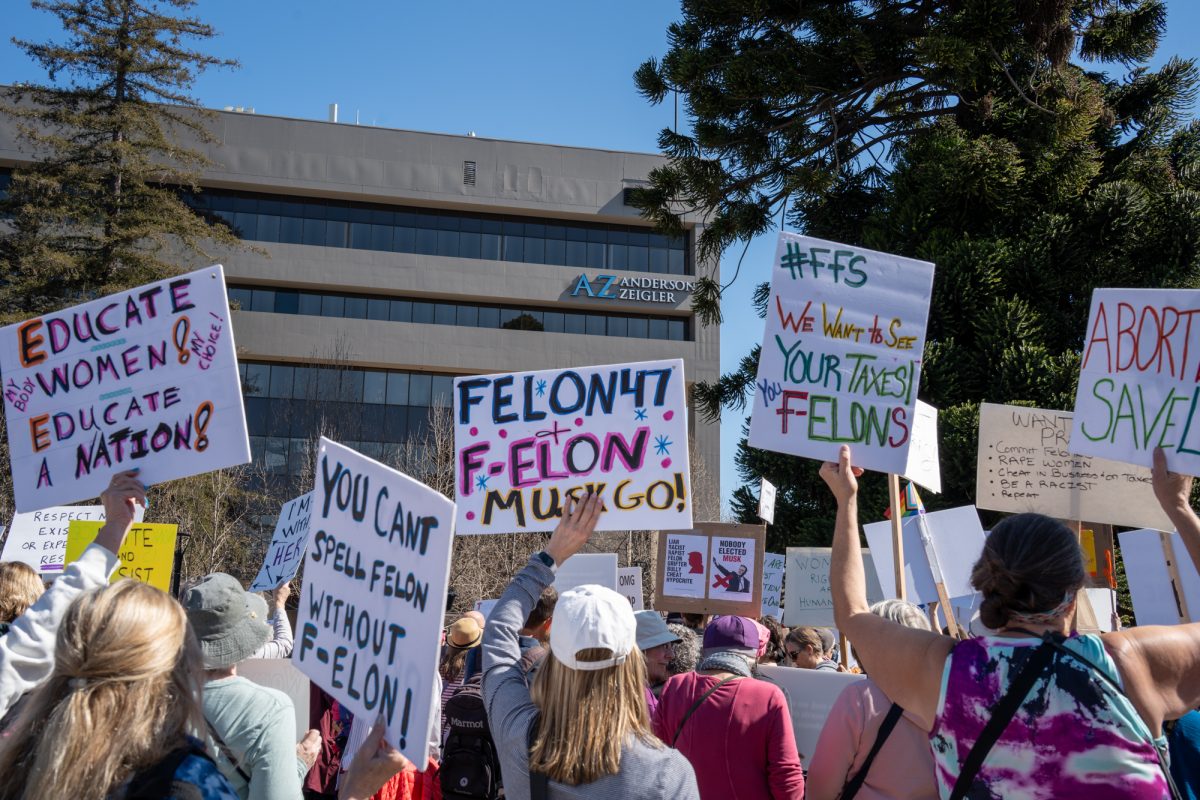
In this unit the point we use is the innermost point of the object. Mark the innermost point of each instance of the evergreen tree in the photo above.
(977, 134)
(100, 210)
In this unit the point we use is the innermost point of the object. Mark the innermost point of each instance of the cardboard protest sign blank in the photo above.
(923, 466)
(1137, 382)
(766, 502)
(144, 378)
(39, 538)
(288, 543)
(281, 675)
(958, 539)
(808, 600)
(1104, 602)
(629, 584)
(841, 354)
(1149, 579)
(587, 568)
(527, 441)
(712, 569)
(811, 694)
(1025, 464)
(772, 581)
(147, 554)
(375, 578)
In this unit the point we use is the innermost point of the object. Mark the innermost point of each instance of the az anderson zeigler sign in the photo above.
(651, 290)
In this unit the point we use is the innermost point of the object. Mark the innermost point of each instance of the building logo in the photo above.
(651, 290)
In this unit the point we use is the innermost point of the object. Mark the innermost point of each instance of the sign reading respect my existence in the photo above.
(39, 538)
(1139, 382)
(145, 378)
(525, 442)
(375, 578)
(288, 543)
(841, 354)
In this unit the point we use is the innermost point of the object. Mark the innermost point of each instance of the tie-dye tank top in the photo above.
(1074, 736)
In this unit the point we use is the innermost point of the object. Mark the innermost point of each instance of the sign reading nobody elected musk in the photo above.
(375, 577)
(525, 442)
(841, 355)
(286, 550)
(146, 378)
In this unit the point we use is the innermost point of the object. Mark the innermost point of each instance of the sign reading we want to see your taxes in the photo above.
(841, 354)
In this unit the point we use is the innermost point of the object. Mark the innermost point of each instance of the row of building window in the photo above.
(470, 315)
(368, 226)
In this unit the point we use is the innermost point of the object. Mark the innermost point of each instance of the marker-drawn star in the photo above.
(639, 414)
(540, 388)
(661, 443)
(481, 481)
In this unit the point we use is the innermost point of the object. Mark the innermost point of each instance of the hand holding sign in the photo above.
(1172, 489)
(572, 533)
(124, 493)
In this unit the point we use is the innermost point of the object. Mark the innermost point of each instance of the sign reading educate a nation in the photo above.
(525, 442)
(145, 378)
(841, 354)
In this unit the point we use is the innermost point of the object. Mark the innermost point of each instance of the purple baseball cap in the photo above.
(731, 633)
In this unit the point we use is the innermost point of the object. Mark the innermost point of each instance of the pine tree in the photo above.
(100, 209)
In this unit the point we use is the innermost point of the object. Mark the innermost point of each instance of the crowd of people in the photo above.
(112, 691)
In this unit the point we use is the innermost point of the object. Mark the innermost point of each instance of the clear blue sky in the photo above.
(556, 72)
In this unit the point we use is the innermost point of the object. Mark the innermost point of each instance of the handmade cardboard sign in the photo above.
(288, 543)
(923, 465)
(147, 554)
(714, 568)
(841, 354)
(374, 593)
(808, 599)
(145, 378)
(39, 538)
(629, 584)
(772, 580)
(527, 441)
(766, 502)
(581, 569)
(1138, 379)
(957, 537)
(810, 694)
(1161, 594)
(1025, 464)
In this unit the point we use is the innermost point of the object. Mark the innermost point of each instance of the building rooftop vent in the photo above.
(468, 173)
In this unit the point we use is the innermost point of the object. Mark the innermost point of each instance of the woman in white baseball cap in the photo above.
(582, 730)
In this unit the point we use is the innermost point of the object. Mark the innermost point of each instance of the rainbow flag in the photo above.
(910, 503)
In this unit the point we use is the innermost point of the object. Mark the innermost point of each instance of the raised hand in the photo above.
(841, 477)
(575, 528)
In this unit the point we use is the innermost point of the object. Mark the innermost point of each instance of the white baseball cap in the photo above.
(592, 616)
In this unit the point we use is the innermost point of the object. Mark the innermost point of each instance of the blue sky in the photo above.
(556, 72)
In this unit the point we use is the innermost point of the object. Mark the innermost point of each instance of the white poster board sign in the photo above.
(808, 600)
(841, 354)
(923, 467)
(39, 538)
(1137, 383)
(766, 502)
(526, 441)
(1150, 586)
(1024, 464)
(374, 594)
(288, 543)
(772, 579)
(810, 694)
(145, 378)
(582, 569)
(281, 674)
(686, 569)
(1104, 603)
(485, 606)
(629, 584)
(957, 539)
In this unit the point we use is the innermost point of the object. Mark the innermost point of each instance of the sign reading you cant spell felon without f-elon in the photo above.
(143, 378)
(841, 355)
(525, 442)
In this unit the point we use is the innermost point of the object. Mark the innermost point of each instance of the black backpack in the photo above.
(470, 768)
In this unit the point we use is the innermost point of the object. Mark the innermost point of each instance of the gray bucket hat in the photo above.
(652, 631)
(230, 622)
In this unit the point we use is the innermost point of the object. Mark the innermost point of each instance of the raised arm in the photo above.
(904, 662)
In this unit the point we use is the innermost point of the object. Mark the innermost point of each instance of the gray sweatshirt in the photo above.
(646, 771)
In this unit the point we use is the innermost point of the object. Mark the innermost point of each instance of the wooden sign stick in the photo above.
(1168, 548)
(1085, 614)
(844, 646)
(897, 534)
(939, 582)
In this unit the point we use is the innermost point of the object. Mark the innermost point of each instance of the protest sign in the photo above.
(1137, 383)
(1104, 603)
(288, 543)
(581, 569)
(145, 378)
(1162, 594)
(772, 580)
(374, 593)
(712, 569)
(766, 502)
(147, 554)
(39, 538)
(1025, 464)
(281, 675)
(841, 354)
(629, 583)
(923, 465)
(956, 535)
(485, 606)
(808, 600)
(810, 694)
(524, 442)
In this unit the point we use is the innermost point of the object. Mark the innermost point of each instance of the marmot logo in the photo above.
(466, 723)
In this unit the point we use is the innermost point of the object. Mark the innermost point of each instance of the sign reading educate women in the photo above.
(1138, 379)
(145, 378)
(841, 354)
(375, 575)
(527, 441)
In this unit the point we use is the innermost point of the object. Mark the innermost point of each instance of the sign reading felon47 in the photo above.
(841, 355)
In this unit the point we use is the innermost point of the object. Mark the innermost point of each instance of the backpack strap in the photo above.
(226, 752)
(697, 705)
(885, 730)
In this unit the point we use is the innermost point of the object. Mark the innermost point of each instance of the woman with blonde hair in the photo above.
(583, 729)
(20, 587)
(114, 718)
